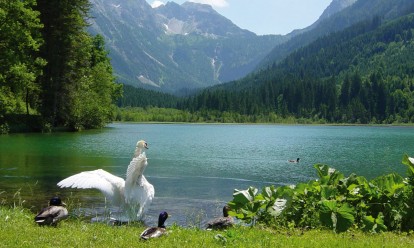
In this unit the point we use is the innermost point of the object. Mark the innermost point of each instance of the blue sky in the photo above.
(266, 16)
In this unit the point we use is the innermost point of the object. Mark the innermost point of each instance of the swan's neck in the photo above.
(137, 152)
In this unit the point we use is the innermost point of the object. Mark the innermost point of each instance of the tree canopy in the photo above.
(50, 67)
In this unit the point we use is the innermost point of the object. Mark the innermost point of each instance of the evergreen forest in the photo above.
(52, 72)
(364, 74)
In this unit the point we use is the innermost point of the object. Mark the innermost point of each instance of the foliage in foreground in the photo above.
(385, 203)
(17, 229)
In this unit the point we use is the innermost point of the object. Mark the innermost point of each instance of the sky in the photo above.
(265, 16)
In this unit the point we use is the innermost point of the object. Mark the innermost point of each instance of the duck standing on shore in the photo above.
(158, 231)
(221, 222)
(51, 215)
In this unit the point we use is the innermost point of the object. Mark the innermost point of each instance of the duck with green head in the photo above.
(221, 222)
(158, 231)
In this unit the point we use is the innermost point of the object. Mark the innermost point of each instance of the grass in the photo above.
(17, 229)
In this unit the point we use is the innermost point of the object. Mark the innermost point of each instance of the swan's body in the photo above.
(158, 231)
(132, 196)
(52, 214)
(221, 222)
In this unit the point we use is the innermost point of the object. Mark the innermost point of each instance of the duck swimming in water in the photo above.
(131, 196)
(221, 222)
(294, 161)
(51, 215)
(158, 231)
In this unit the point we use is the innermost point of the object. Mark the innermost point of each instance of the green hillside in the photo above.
(363, 74)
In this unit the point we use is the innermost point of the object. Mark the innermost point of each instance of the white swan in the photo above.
(133, 195)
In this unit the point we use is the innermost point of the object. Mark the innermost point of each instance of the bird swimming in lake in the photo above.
(158, 231)
(51, 215)
(132, 196)
(294, 161)
(221, 222)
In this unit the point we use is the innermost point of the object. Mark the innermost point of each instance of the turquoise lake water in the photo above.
(195, 167)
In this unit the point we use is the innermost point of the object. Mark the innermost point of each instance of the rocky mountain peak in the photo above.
(196, 18)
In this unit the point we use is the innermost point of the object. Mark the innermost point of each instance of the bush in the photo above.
(333, 201)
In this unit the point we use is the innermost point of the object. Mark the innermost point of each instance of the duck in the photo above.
(158, 231)
(221, 222)
(51, 215)
(131, 196)
(294, 161)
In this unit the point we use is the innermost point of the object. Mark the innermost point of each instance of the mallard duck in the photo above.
(155, 232)
(52, 214)
(133, 195)
(294, 161)
(221, 222)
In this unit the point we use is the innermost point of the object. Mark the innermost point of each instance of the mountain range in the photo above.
(181, 48)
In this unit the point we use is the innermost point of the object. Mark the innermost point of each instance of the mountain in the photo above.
(362, 74)
(339, 15)
(334, 7)
(176, 48)
(201, 19)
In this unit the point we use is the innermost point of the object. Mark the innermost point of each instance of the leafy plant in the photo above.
(339, 217)
(333, 201)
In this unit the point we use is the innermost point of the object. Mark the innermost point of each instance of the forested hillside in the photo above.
(359, 11)
(52, 72)
(363, 74)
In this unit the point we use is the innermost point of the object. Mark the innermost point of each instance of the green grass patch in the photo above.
(17, 229)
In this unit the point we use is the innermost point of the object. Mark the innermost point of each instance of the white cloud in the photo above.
(214, 3)
(157, 4)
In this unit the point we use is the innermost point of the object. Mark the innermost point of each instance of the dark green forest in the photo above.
(364, 74)
(52, 72)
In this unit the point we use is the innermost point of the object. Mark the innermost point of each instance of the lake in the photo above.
(194, 167)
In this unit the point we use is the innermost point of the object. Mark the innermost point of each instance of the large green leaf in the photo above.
(268, 192)
(389, 184)
(326, 215)
(372, 224)
(328, 175)
(409, 162)
(345, 217)
(335, 216)
(242, 196)
(328, 192)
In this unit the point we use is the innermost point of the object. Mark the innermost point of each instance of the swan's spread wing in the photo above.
(111, 186)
